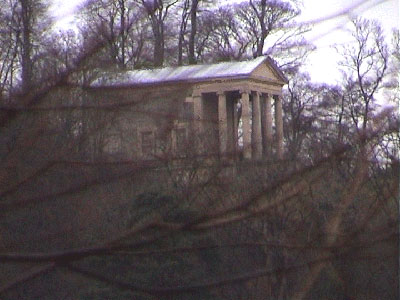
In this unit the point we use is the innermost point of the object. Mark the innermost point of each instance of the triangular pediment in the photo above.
(269, 72)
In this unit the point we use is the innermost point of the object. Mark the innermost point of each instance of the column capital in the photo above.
(277, 99)
(244, 91)
(196, 93)
(277, 96)
(220, 93)
(258, 93)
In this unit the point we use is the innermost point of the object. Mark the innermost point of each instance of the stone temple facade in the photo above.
(231, 109)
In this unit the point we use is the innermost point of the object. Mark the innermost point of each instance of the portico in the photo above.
(245, 122)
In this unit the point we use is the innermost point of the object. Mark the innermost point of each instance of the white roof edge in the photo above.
(190, 73)
(260, 58)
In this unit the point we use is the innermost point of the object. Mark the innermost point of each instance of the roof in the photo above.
(192, 73)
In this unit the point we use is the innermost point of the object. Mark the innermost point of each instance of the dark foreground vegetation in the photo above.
(77, 223)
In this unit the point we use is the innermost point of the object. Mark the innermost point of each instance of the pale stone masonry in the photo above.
(256, 131)
(227, 107)
(279, 127)
(223, 126)
(246, 124)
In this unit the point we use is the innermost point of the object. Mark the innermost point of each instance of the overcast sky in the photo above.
(322, 64)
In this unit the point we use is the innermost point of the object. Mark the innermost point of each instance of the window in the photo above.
(188, 111)
(112, 144)
(147, 143)
(180, 140)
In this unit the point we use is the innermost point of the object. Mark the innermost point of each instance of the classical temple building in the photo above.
(228, 106)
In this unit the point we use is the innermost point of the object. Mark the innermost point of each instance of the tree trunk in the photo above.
(158, 59)
(260, 45)
(182, 30)
(26, 59)
(180, 49)
(122, 33)
(193, 20)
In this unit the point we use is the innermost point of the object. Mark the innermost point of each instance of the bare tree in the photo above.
(157, 12)
(193, 31)
(9, 47)
(185, 9)
(254, 28)
(23, 27)
(221, 37)
(123, 27)
(273, 30)
(364, 65)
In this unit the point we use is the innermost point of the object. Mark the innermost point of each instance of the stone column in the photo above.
(222, 123)
(198, 120)
(279, 127)
(198, 111)
(267, 125)
(235, 128)
(230, 125)
(246, 124)
(256, 138)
